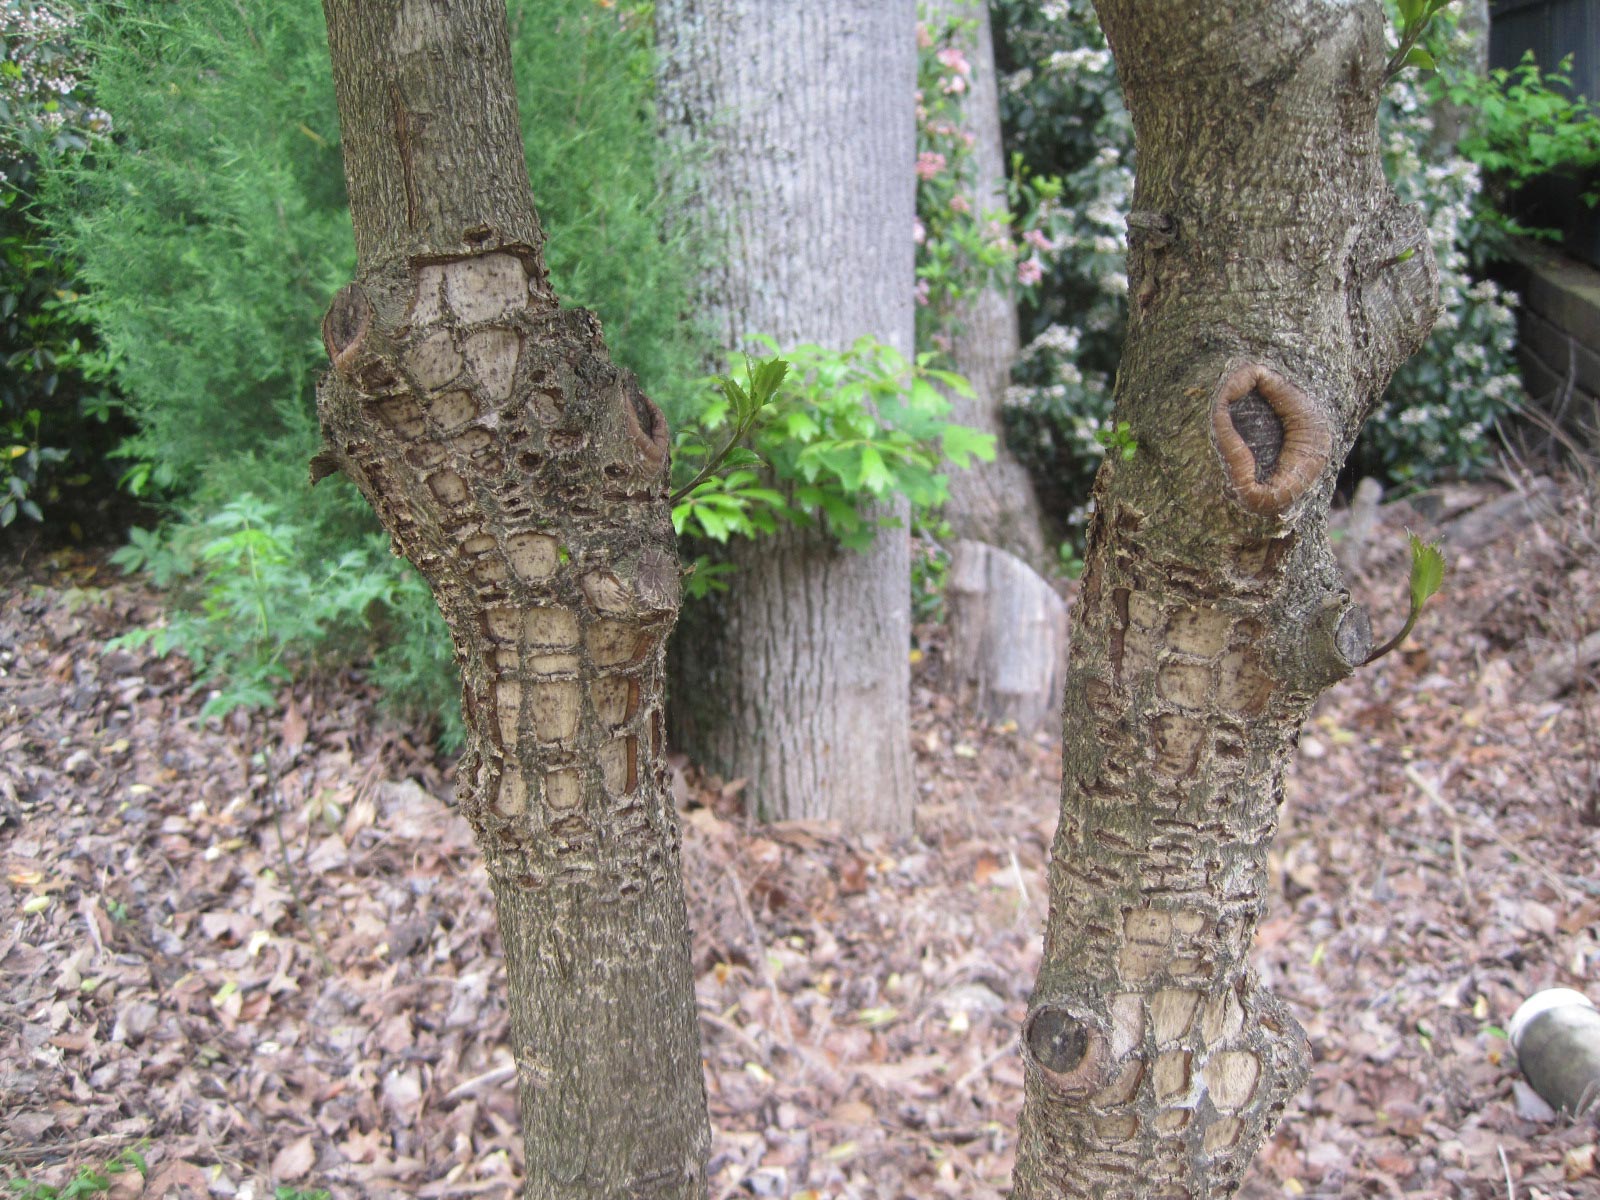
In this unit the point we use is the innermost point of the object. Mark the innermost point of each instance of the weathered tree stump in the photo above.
(1008, 636)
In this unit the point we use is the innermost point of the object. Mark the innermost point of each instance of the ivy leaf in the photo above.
(1427, 571)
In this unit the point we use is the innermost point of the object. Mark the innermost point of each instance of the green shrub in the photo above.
(836, 430)
(55, 414)
(213, 230)
(253, 615)
(1526, 125)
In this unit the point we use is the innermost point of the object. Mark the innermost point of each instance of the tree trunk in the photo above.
(1008, 637)
(1275, 285)
(990, 502)
(1470, 50)
(801, 117)
(525, 475)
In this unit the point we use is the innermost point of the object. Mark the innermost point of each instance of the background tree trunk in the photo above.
(525, 475)
(1275, 284)
(801, 118)
(990, 502)
(1008, 637)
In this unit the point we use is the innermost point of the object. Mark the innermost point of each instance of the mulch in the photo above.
(262, 951)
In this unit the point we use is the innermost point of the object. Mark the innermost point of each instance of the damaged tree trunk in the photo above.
(525, 475)
(1275, 284)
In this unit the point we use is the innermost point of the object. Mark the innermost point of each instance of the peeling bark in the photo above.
(797, 679)
(1265, 322)
(525, 475)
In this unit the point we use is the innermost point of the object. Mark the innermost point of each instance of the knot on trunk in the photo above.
(1273, 441)
(1068, 1046)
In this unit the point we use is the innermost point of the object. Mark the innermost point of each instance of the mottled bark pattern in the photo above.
(799, 119)
(1272, 297)
(525, 475)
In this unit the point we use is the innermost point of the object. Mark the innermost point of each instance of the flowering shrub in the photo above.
(966, 243)
(1063, 112)
(41, 108)
(1446, 398)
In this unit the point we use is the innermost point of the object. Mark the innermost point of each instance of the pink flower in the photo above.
(919, 231)
(954, 86)
(1037, 238)
(952, 57)
(960, 204)
(922, 292)
(1029, 272)
(924, 38)
(929, 164)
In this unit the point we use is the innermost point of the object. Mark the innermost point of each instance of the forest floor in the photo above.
(163, 987)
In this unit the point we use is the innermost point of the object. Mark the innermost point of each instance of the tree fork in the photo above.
(1276, 284)
(526, 477)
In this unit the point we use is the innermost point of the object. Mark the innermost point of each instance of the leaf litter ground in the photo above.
(163, 987)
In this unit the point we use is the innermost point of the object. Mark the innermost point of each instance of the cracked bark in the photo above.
(1269, 306)
(801, 119)
(525, 475)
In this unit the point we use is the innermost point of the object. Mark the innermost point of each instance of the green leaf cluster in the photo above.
(833, 431)
(252, 616)
(87, 1181)
(1526, 124)
(1413, 20)
(1118, 438)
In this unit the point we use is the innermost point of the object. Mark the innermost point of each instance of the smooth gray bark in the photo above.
(990, 502)
(800, 116)
(1275, 284)
(525, 476)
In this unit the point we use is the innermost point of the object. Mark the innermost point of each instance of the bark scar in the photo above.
(402, 139)
(345, 326)
(1068, 1047)
(1273, 441)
